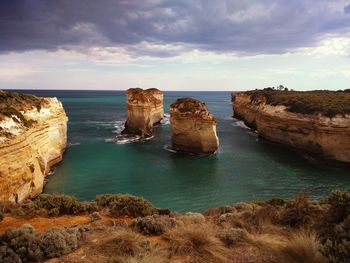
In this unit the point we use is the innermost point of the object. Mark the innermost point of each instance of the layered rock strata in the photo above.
(328, 137)
(33, 137)
(193, 127)
(145, 109)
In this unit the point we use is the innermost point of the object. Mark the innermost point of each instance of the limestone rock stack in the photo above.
(145, 109)
(193, 127)
(33, 137)
(313, 133)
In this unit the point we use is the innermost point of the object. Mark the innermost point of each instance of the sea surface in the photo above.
(245, 167)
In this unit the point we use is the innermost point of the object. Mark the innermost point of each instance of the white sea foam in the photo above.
(241, 125)
(124, 139)
(168, 148)
(52, 171)
(71, 144)
(119, 126)
(165, 120)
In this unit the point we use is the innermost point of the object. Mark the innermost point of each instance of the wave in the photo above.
(127, 138)
(166, 119)
(168, 148)
(71, 144)
(52, 172)
(119, 126)
(241, 125)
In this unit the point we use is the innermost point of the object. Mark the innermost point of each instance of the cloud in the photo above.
(169, 28)
(347, 9)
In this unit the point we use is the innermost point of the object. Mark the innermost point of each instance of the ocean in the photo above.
(245, 167)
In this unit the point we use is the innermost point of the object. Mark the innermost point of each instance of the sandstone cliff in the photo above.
(33, 136)
(145, 109)
(193, 127)
(326, 136)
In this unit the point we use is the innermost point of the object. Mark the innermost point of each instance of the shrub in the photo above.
(340, 206)
(59, 241)
(154, 225)
(336, 251)
(24, 245)
(126, 205)
(57, 204)
(232, 236)
(334, 225)
(299, 211)
(7, 255)
(198, 242)
(95, 216)
(195, 218)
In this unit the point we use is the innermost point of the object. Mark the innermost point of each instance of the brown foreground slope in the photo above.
(122, 228)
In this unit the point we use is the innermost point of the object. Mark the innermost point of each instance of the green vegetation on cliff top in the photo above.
(328, 103)
(12, 103)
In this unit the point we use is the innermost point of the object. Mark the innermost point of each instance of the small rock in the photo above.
(95, 216)
(28, 226)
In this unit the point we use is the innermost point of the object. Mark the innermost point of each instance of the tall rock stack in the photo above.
(33, 137)
(145, 109)
(193, 127)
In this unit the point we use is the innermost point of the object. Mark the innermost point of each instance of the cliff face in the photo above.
(193, 127)
(314, 133)
(145, 108)
(33, 137)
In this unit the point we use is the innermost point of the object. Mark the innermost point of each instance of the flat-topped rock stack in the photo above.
(145, 109)
(193, 127)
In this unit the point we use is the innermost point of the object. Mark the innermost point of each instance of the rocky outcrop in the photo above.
(193, 127)
(33, 136)
(145, 109)
(328, 137)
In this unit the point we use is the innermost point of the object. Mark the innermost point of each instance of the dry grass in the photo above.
(127, 243)
(276, 231)
(303, 247)
(198, 243)
(156, 256)
(300, 247)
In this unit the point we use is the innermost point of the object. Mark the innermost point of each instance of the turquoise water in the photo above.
(245, 167)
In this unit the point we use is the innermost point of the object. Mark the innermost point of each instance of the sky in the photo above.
(174, 45)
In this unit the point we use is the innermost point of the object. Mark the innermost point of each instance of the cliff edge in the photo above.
(145, 109)
(193, 127)
(317, 122)
(33, 136)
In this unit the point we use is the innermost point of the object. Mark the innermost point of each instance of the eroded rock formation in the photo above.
(328, 137)
(33, 136)
(145, 109)
(193, 127)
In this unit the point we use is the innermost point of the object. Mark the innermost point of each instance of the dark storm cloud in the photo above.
(241, 26)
